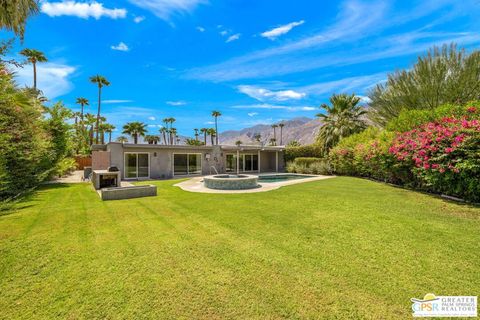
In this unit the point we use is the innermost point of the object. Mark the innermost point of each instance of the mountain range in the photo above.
(303, 129)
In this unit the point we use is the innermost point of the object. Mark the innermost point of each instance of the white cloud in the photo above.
(209, 122)
(276, 32)
(52, 78)
(252, 114)
(364, 99)
(81, 9)
(120, 47)
(200, 29)
(165, 9)
(233, 37)
(138, 19)
(262, 94)
(116, 101)
(151, 118)
(274, 107)
(176, 103)
(224, 32)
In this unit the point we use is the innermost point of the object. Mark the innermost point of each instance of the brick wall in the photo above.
(100, 160)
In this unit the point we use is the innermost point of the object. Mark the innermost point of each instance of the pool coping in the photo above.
(196, 184)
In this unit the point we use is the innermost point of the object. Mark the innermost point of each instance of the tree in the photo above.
(151, 139)
(216, 114)
(173, 135)
(257, 137)
(101, 82)
(444, 75)
(205, 132)
(122, 139)
(196, 133)
(281, 125)
(90, 120)
(273, 141)
(212, 133)
(163, 132)
(343, 118)
(33, 56)
(294, 143)
(135, 129)
(108, 128)
(14, 14)
(193, 142)
(238, 143)
(274, 126)
(82, 102)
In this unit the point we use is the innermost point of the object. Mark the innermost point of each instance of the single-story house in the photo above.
(155, 161)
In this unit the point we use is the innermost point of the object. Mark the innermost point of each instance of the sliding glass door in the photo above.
(184, 164)
(247, 162)
(137, 165)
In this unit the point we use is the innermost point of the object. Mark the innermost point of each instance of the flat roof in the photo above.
(184, 146)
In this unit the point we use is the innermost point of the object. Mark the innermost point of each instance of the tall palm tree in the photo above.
(257, 137)
(281, 125)
(82, 102)
(343, 118)
(205, 132)
(135, 129)
(14, 14)
(238, 143)
(196, 133)
(216, 114)
(274, 126)
(273, 141)
(108, 128)
(90, 120)
(173, 135)
(101, 82)
(163, 131)
(212, 133)
(33, 56)
(122, 139)
(171, 121)
(151, 139)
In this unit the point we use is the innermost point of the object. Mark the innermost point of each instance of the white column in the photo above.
(258, 161)
(238, 162)
(276, 161)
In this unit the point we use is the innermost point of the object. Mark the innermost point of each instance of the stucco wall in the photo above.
(100, 160)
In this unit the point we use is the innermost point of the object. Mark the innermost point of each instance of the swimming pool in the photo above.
(281, 177)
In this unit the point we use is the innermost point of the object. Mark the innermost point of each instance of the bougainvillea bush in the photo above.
(441, 156)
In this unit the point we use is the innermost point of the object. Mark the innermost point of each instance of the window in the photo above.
(247, 162)
(137, 165)
(187, 163)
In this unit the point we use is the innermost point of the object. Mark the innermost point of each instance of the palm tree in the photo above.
(343, 118)
(151, 139)
(281, 125)
(274, 126)
(82, 102)
(122, 139)
(216, 114)
(33, 56)
(273, 141)
(196, 133)
(205, 132)
(90, 120)
(101, 82)
(238, 143)
(135, 129)
(163, 131)
(107, 127)
(173, 134)
(171, 121)
(212, 133)
(14, 14)
(257, 137)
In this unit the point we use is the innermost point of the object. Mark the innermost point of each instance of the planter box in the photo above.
(128, 192)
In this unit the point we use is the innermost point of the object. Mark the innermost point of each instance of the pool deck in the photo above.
(196, 184)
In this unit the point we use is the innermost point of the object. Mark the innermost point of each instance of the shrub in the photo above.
(65, 166)
(312, 150)
(306, 160)
(309, 166)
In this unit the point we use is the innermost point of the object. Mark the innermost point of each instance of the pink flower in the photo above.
(472, 109)
(448, 150)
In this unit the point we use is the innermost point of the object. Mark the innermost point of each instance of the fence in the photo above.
(83, 162)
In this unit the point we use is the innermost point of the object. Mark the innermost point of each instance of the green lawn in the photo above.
(338, 248)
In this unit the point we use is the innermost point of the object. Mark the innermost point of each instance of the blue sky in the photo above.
(255, 61)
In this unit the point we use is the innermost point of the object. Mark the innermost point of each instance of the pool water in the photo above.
(281, 177)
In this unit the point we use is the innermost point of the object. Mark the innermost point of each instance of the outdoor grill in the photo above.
(106, 178)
